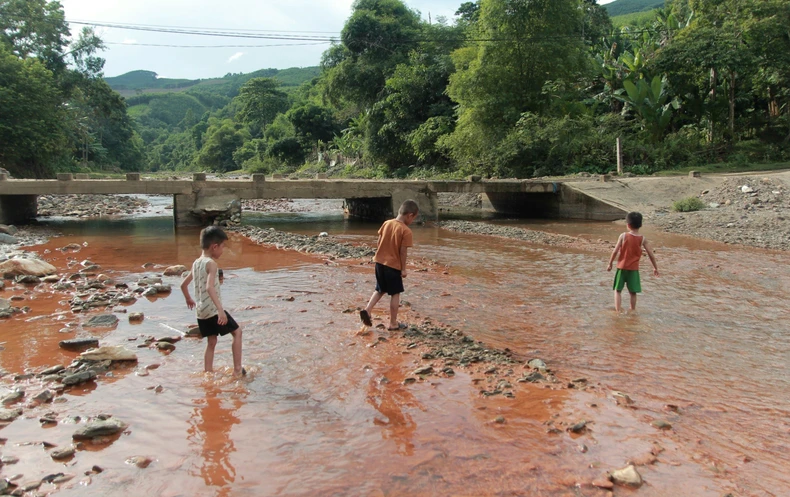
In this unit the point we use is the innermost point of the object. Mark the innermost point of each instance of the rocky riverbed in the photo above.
(744, 210)
(531, 236)
(318, 244)
(86, 206)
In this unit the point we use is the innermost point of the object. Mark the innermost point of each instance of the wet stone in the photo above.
(627, 476)
(102, 321)
(141, 462)
(136, 317)
(99, 428)
(79, 343)
(60, 454)
(7, 415)
(77, 378)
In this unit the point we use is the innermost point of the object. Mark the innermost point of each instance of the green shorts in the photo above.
(625, 277)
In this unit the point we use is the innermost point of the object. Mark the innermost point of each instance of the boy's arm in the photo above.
(652, 257)
(185, 290)
(614, 252)
(211, 268)
(403, 261)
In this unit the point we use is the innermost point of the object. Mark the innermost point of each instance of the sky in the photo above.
(126, 50)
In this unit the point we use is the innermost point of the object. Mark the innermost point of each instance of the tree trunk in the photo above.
(773, 104)
(713, 79)
(732, 103)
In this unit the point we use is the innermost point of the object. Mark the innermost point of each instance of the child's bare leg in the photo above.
(208, 356)
(618, 299)
(394, 305)
(374, 299)
(236, 348)
(633, 301)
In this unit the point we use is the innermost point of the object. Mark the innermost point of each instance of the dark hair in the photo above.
(408, 207)
(211, 235)
(634, 220)
(220, 273)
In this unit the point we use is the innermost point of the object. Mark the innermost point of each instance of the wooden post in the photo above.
(619, 157)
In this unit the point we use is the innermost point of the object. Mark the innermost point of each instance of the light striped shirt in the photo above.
(204, 306)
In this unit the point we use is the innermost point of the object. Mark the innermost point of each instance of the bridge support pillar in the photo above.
(381, 208)
(565, 203)
(18, 209)
(196, 209)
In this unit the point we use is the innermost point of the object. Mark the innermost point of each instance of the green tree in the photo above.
(497, 80)
(222, 140)
(312, 123)
(33, 135)
(260, 100)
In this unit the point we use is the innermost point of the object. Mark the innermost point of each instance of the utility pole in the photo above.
(619, 157)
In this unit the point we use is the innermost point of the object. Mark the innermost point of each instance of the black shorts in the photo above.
(388, 280)
(209, 327)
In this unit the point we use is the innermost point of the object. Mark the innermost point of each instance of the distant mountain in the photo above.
(621, 7)
(136, 82)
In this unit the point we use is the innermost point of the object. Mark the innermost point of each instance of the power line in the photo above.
(135, 44)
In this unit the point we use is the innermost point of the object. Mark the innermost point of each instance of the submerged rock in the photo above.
(77, 378)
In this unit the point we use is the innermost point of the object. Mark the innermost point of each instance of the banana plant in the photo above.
(651, 101)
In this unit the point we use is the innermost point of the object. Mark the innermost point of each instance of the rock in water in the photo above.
(77, 378)
(99, 428)
(6, 239)
(141, 462)
(79, 344)
(102, 321)
(537, 364)
(60, 454)
(109, 353)
(35, 267)
(627, 476)
(177, 270)
(8, 415)
(136, 317)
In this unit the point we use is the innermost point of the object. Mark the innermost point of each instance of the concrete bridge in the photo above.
(199, 201)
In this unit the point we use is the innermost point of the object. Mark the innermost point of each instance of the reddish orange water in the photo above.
(316, 416)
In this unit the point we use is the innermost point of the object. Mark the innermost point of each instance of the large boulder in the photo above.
(99, 428)
(109, 353)
(35, 267)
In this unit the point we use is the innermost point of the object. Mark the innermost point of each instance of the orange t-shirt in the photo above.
(393, 235)
(630, 252)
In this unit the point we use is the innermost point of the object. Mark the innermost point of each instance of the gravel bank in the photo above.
(309, 244)
(745, 210)
(531, 236)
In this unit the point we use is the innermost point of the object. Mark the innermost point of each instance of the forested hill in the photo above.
(621, 7)
(136, 82)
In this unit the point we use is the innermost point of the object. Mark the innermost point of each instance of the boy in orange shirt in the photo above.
(629, 245)
(394, 240)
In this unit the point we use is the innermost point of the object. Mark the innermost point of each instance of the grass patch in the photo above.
(688, 205)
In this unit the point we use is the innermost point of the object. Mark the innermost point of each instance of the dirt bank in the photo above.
(751, 210)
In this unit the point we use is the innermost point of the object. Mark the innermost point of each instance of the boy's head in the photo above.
(409, 210)
(212, 240)
(634, 220)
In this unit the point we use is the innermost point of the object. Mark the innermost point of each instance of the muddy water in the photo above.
(324, 412)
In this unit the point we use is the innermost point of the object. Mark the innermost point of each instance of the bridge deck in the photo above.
(313, 188)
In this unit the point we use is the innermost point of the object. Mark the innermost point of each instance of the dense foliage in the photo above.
(508, 88)
(56, 113)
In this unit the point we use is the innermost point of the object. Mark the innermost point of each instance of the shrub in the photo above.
(688, 204)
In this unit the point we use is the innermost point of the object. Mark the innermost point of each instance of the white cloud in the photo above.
(129, 41)
(235, 56)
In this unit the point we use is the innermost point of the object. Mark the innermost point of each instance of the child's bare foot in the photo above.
(396, 327)
(238, 373)
(363, 331)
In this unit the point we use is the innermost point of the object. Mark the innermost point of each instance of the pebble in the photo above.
(627, 476)
(60, 454)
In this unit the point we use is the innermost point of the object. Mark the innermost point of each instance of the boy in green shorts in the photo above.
(629, 246)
